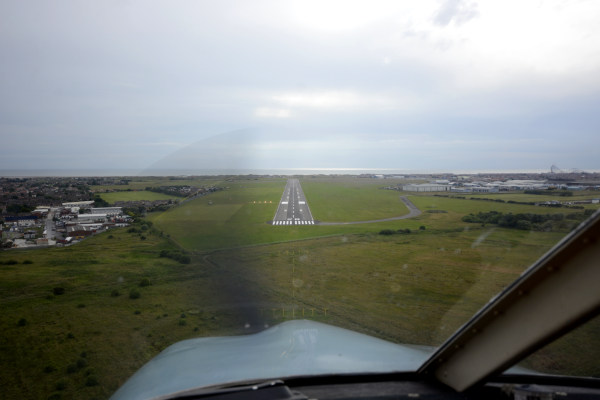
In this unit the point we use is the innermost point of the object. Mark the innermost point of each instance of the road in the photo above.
(293, 208)
(50, 228)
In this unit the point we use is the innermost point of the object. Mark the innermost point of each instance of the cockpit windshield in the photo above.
(329, 187)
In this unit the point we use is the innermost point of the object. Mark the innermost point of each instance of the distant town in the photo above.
(59, 211)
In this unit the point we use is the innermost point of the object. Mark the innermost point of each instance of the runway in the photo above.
(293, 208)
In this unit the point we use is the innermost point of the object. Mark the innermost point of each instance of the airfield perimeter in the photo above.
(125, 297)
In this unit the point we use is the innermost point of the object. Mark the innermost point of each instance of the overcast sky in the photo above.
(441, 84)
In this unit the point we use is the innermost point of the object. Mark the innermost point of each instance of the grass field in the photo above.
(577, 195)
(86, 342)
(141, 182)
(401, 288)
(410, 288)
(111, 197)
(351, 199)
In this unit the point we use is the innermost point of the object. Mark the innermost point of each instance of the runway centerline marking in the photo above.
(299, 212)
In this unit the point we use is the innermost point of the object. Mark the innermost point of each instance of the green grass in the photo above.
(357, 199)
(577, 195)
(414, 288)
(43, 334)
(239, 216)
(140, 182)
(111, 197)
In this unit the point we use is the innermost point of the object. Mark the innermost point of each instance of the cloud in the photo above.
(267, 112)
(322, 99)
(458, 11)
(146, 76)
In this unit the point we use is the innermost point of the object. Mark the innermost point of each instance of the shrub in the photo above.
(10, 262)
(58, 291)
(22, 322)
(81, 363)
(422, 228)
(27, 262)
(61, 385)
(386, 232)
(143, 237)
(182, 322)
(134, 294)
(115, 293)
(71, 368)
(80, 305)
(70, 336)
(175, 255)
(49, 368)
(184, 259)
(137, 312)
(110, 237)
(145, 282)
(91, 381)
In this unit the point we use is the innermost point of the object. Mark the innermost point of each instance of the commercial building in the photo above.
(426, 187)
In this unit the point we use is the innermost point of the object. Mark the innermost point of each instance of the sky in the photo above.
(420, 85)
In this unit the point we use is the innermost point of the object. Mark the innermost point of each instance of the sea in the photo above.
(22, 173)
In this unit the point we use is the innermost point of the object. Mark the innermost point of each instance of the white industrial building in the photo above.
(90, 218)
(80, 204)
(109, 211)
(426, 187)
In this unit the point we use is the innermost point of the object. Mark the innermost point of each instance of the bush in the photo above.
(27, 262)
(182, 322)
(145, 282)
(22, 322)
(71, 368)
(61, 385)
(110, 237)
(115, 293)
(184, 259)
(91, 381)
(175, 255)
(523, 225)
(422, 228)
(57, 291)
(81, 363)
(134, 294)
(386, 232)
(49, 368)
(137, 312)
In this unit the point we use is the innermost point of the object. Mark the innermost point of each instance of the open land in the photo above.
(74, 327)
(134, 196)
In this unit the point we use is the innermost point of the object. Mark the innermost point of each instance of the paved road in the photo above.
(413, 212)
(293, 208)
